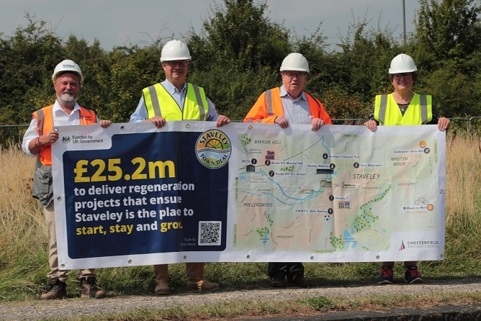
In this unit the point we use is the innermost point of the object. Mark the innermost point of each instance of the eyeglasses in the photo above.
(177, 63)
(292, 74)
(404, 74)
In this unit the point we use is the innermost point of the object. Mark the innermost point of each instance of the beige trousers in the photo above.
(55, 272)
(194, 272)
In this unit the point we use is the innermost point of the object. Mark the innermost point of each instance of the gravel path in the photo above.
(35, 310)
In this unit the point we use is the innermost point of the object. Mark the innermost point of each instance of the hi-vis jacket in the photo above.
(44, 118)
(269, 105)
(195, 105)
(418, 112)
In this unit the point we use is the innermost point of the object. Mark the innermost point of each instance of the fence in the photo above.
(11, 135)
(465, 124)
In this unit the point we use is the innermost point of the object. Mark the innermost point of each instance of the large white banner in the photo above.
(132, 194)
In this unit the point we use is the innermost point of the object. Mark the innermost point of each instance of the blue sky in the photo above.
(140, 22)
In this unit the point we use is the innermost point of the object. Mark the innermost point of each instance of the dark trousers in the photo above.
(289, 269)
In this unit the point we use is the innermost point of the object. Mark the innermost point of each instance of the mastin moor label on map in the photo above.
(213, 149)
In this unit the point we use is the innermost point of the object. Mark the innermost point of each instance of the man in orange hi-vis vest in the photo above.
(67, 80)
(289, 104)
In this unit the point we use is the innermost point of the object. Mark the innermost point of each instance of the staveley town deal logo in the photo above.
(213, 149)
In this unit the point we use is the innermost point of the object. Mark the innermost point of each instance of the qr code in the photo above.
(210, 232)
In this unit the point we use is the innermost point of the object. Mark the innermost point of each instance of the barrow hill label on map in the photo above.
(133, 194)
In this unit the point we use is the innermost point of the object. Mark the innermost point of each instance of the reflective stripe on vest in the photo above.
(382, 108)
(424, 108)
(195, 103)
(410, 117)
(270, 111)
(44, 119)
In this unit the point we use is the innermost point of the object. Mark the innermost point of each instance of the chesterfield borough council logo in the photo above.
(213, 149)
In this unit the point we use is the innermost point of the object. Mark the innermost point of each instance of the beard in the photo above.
(68, 99)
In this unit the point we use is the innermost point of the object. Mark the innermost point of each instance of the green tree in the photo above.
(27, 60)
(344, 106)
(447, 54)
(240, 34)
(131, 70)
(448, 29)
(237, 55)
(360, 69)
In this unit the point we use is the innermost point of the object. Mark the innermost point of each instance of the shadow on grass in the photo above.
(180, 289)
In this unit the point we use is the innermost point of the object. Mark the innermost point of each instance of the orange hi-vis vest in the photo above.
(269, 106)
(44, 119)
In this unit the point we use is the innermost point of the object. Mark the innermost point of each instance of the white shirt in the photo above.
(60, 118)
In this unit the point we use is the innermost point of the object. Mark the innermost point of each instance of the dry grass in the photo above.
(23, 259)
(20, 215)
(463, 171)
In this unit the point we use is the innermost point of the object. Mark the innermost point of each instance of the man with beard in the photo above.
(67, 81)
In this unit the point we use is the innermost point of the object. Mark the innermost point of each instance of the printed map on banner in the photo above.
(354, 192)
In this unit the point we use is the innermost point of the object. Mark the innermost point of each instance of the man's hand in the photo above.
(222, 120)
(317, 124)
(48, 139)
(281, 121)
(158, 121)
(105, 123)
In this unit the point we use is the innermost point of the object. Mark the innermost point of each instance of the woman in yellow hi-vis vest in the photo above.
(403, 107)
(175, 99)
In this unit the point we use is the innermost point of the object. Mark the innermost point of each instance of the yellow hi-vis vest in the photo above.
(418, 112)
(195, 104)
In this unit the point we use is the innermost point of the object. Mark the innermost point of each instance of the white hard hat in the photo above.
(67, 66)
(295, 62)
(175, 50)
(402, 63)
